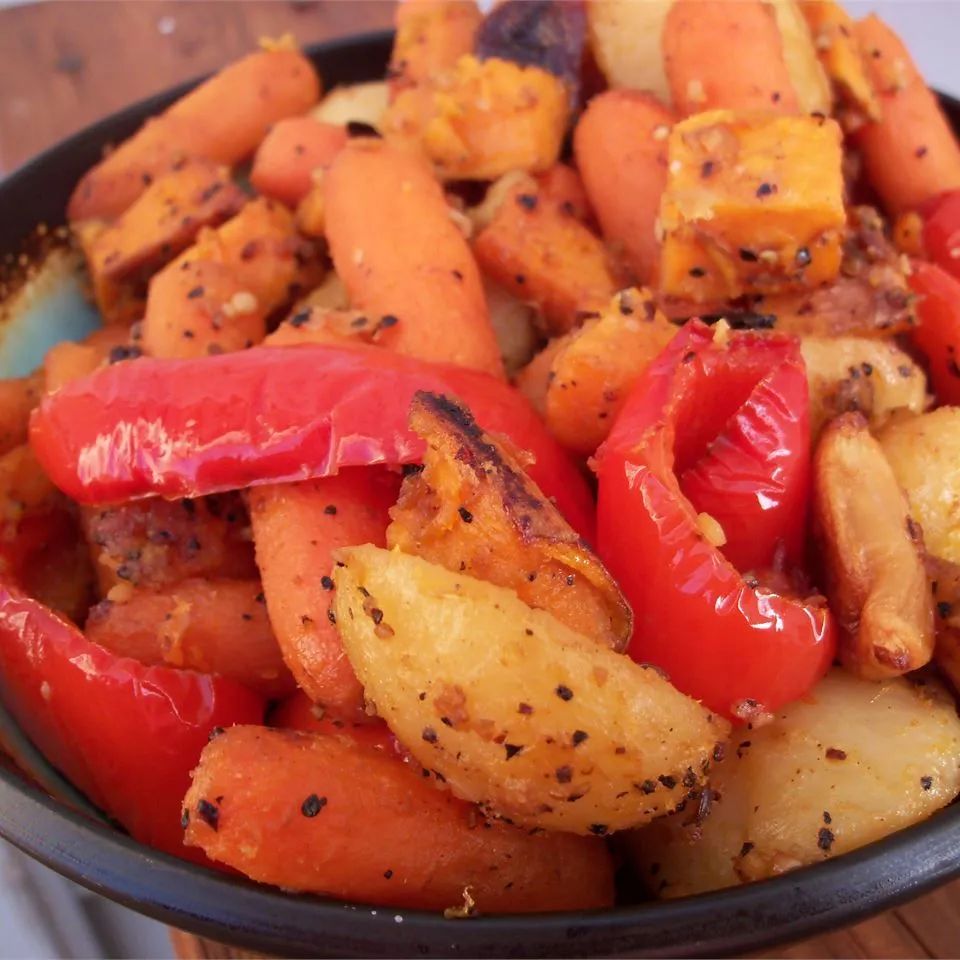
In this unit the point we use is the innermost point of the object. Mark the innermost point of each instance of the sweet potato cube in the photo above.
(754, 204)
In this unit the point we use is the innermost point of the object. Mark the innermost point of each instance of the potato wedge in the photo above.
(512, 320)
(872, 553)
(808, 76)
(356, 103)
(473, 509)
(514, 710)
(793, 792)
(625, 39)
(924, 453)
(874, 377)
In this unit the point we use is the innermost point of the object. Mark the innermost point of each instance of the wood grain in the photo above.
(64, 64)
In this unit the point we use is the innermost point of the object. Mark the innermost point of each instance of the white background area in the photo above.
(42, 915)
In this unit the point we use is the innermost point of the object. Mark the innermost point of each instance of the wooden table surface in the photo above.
(64, 64)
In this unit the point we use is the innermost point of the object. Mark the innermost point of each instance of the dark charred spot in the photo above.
(926, 783)
(564, 692)
(312, 805)
(209, 813)
(825, 838)
(512, 749)
(429, 734)
(834, 753)
(564, 774)
(579, 736)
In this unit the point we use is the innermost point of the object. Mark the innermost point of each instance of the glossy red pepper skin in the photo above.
(941, 231)
(124, 734)
(721, 639)
(184, 428)
(938, 334)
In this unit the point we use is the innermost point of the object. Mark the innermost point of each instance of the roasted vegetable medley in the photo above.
(540, 459)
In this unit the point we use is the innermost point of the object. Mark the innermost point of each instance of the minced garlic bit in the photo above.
(243, 301)
(467, 909)
(317, 174)
(461, 221)
(357, 257)
(274, 44)
(711, 529)
(661, 132)
(120, 592)
(721, 335)
(695, 91)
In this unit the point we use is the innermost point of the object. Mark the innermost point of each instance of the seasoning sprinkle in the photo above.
(312, 805)
(579, 736)
(926, 782)
(326, 583)
(209, 813)
(564, 774)
(564, 692)
(465, 515)
(429, 734)
(512, 749)
(825, 838)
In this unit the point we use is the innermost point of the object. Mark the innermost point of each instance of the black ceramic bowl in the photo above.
(785, 909)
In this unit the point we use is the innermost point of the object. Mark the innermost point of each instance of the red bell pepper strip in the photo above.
(184, 428)
(938, 334)
(722, 638)
(125, 734)
(941, 231)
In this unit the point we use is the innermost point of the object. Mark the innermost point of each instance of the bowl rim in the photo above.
(796, 905)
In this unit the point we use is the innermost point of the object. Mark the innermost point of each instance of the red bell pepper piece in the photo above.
(707, 417)
(125, 734)
(938, 334)
(941, 231)
(184, 428)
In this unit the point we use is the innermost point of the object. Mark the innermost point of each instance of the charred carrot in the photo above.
(325, 814)
(217, 295)
(719, 54)
(544, 255)
(222, 120)
(296, 528)
(284, 165)
(400, 255)
(164, 220)
(210, 626)
(910, 154)
(620, 145)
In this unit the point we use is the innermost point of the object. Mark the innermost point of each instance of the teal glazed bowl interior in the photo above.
(58, 827)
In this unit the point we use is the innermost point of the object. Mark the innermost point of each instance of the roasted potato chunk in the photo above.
(874, 377)
(473, 509)
(510, 707)
(356, 103)
(872, 553)
(809, 78)
(625, 39)
(924, 453)
(512, 320)
(754, 204)
(793, 792)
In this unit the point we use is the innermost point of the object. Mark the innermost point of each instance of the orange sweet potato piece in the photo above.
(41, 546)
(488, 117)
(595, 369)
(18, 396)
(620, 144)
(156, 543)
(217, 295)
(66, 361)
(296, 528)
(284, 163)
(544, 255)
(473, 509)
(159, 224)
(841, 55)
(298, 712)
(753, 204)
(726, 55)
(221, 120)
(211, 626)
(400, 255)
(431, 36)
(326, 814)
(910, 154)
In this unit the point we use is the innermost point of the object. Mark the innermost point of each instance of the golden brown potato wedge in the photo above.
(872, 553)
(473, 509)
(512, 320)
(509, 706)
(793, 792)
(356, 103)
(924, 453)
(806, 72)
(874, 377)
